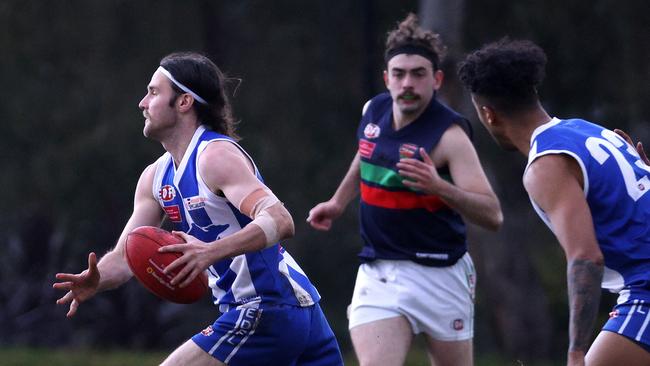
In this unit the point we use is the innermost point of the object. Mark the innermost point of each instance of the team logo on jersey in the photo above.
(458, 324)
(207, 331)
(167, 193)
(195, 202)
(366, 148)
(407, 150)
(371, 131)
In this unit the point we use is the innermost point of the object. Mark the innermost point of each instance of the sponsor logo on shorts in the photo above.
(371, 131)
(613, 314)
(458, 324)
(207, 331)
(246, 325)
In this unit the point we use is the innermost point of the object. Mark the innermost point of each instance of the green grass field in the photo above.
(86, 357)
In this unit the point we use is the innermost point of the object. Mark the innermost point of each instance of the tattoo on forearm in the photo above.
(583, 278)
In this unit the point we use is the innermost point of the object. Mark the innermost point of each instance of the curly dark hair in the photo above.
(203, 77)
(409, 33)
(506, 73)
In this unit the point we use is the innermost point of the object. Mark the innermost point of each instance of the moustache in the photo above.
(408, 96)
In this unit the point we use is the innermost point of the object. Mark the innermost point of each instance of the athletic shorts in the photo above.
(630, 319)
(438, 301)
(278, 335)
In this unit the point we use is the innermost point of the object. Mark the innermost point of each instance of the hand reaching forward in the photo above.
(196, 257)
(80, 287)
(323, 215)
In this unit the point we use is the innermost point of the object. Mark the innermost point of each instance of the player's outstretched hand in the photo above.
(638, 146)
(80, 287)
(323, 215)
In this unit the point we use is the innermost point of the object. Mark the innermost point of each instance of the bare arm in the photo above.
(470, 194)
(555, 183)
(112, 270)
(112, 267)
(322, 215)
(233, 176)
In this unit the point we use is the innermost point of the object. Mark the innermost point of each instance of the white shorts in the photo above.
(438, 301)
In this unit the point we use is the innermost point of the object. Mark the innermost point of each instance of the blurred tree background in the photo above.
(74, 71)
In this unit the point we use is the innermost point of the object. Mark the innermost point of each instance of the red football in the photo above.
(147, 264)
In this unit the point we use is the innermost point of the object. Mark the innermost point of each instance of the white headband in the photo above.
(183, 87)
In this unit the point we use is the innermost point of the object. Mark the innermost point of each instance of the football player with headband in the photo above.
(420, 178)
(212, 192)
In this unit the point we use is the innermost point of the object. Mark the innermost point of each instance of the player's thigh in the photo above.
(450, 353)
(191, 354)
(382, 342)
(612, 349)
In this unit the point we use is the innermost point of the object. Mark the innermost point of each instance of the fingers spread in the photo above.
(175, 264)
(73, 308)
(65, 298)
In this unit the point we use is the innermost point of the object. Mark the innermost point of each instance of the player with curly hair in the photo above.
(589, 185)
(419, 177)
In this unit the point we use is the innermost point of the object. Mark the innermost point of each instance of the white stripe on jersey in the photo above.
(242, 287)
(303, 296)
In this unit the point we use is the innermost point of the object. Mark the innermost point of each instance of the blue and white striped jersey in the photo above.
(266, 277)
(615, 186)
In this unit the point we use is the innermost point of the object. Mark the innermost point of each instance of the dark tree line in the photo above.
(74, 71)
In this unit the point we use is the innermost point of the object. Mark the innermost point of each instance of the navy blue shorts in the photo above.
(277, 335)
(630, 319)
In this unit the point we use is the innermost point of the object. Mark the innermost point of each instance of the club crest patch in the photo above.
(458, 324)
(408, 150)
(371, 131)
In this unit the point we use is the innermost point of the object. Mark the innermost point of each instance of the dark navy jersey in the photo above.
(615, 186)
(396, 221)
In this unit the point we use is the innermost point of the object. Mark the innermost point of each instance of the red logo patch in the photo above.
(407, 150)
(458, 324)
(167, 193)
(173, 212)
(371, 131)
(366, 148)
(207, 331)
